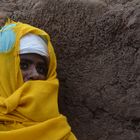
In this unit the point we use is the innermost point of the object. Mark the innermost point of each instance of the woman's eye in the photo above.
(24, 65)
(41, 69)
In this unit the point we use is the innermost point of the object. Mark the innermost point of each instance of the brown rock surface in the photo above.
(97, 46)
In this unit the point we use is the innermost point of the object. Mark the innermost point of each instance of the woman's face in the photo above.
(33, 67)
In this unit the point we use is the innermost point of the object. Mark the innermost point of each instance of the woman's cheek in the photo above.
(25, 75)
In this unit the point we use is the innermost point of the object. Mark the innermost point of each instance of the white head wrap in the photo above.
(32, 43)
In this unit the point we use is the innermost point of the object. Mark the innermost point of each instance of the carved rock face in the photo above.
(3, 18)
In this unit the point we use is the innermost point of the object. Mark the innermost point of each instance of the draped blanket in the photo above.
(30, 109)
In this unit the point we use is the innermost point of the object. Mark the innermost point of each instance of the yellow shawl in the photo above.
(31, 108)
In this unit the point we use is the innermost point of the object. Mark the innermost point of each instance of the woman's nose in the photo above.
(34, 75)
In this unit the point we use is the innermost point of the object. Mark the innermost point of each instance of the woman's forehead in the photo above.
(33, 58)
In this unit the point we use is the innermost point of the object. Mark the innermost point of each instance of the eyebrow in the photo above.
(31, 61)
(26, 59)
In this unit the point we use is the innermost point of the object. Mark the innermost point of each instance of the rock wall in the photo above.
(97, 46)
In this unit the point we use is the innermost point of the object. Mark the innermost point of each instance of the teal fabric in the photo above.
(7, 38)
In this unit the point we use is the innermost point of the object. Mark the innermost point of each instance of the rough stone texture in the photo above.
(97, 45)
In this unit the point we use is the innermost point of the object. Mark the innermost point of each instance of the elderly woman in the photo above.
(29, 86)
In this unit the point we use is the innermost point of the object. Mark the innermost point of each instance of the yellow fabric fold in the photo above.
(48, 130)
(32, 105)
